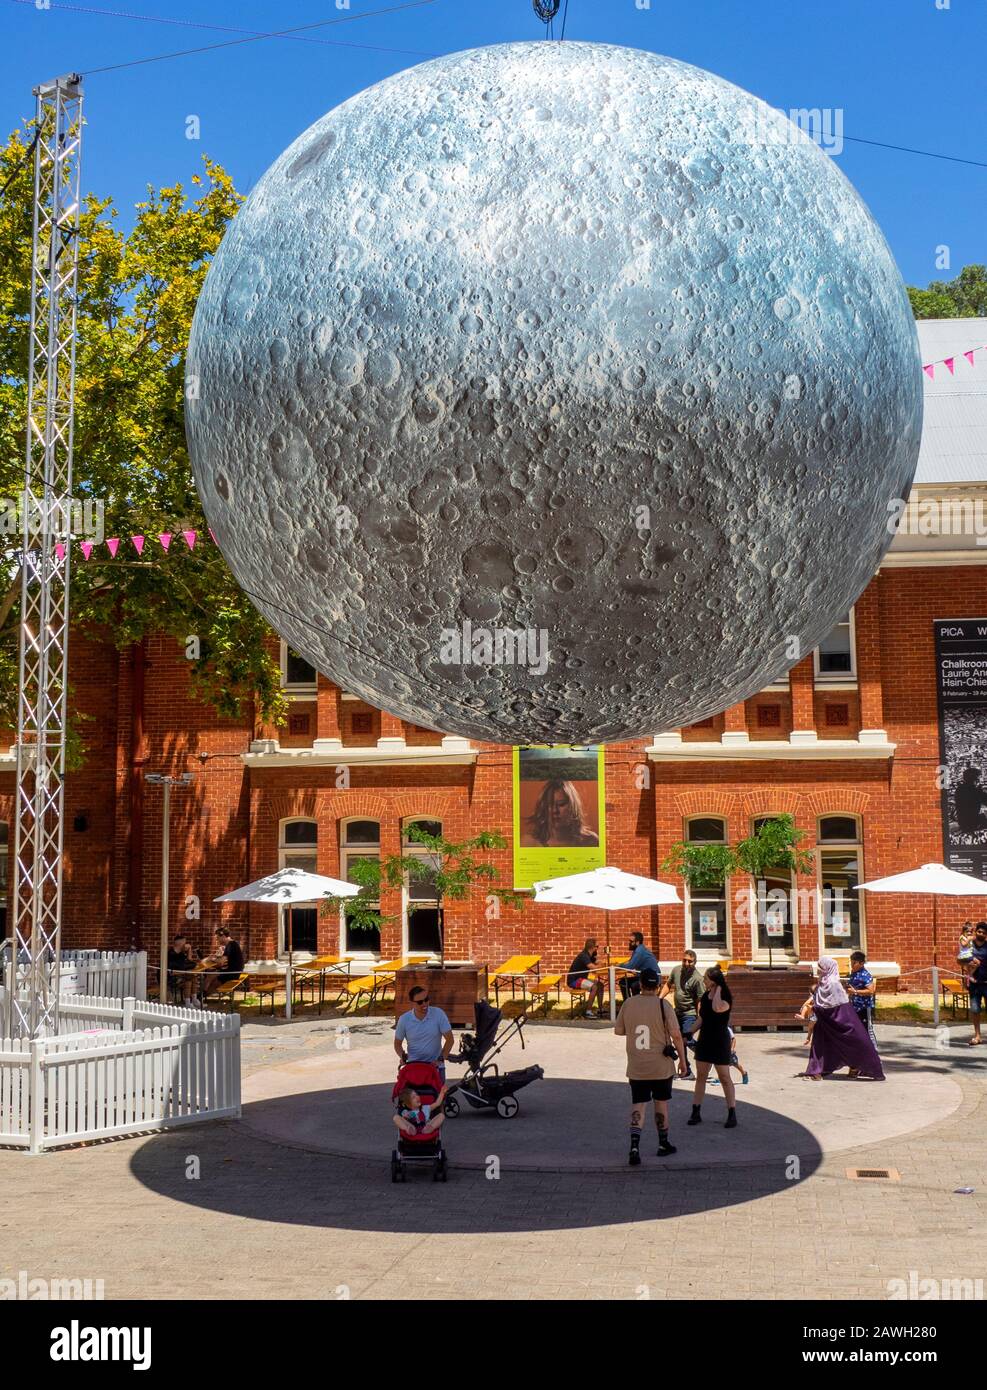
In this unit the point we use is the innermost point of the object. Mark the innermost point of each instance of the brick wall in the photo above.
(225, 826)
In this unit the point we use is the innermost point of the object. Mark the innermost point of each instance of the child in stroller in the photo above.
(418, 1097)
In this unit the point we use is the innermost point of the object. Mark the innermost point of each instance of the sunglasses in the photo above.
(423, 999)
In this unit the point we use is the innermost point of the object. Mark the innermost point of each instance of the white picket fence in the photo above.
(108, 974)
(129, 1068)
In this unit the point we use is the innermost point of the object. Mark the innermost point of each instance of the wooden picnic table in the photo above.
(516, 968)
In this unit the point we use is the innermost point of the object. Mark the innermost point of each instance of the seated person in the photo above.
(181, 963)
(579, 978)
(640, 958)
(415, 1118)
(227, 960)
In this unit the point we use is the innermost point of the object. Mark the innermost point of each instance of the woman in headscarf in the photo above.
(839, 1039)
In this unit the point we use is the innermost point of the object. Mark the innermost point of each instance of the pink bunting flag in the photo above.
(969, 356)
(189, 539)
(138, 544)
(930, 370)
(165, 540)
(949, 363)
(113, 546)
(87, 549)
(60, 551)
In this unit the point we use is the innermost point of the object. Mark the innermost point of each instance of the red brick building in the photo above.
(848, 743)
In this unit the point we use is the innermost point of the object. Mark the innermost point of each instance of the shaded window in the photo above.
(706, 907)
(359, 839)
(296, 672)
(842, 828)
(835, 653)
(422, 907)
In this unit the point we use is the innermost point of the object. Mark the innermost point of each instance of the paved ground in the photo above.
(267, 1219)
(575, 1120)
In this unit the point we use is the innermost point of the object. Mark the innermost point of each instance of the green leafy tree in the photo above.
(961, 298)
(451, 869)
(702, 866)
(136, 295)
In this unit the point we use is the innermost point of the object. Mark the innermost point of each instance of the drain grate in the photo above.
(874, 1174)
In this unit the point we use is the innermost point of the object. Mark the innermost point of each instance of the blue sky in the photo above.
(902, 71)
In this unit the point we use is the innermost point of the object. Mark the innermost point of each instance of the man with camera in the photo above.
(654, 1041)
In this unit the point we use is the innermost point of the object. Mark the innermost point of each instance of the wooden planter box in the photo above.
(452, 988)
(768, 998)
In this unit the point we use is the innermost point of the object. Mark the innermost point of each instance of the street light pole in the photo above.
(160, 779)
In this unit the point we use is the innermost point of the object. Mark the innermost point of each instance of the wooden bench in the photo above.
(264, 985)
(955, 994)
(225, 990)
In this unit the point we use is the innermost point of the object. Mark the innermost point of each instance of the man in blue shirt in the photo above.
(976, 979)
(427, 1032)
(640, 958)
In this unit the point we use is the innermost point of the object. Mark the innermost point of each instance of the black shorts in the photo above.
(651, 1090)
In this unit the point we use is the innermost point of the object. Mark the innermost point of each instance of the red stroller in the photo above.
(418, 1148)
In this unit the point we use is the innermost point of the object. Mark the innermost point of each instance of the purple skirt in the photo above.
(840, 1039)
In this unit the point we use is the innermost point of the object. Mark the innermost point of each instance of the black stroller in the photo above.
(484, 1086)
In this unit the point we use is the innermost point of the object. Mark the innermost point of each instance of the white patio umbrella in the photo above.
(286, 887)
(933, 879)
(610, 890)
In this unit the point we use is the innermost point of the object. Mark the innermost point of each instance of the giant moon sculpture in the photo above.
(562, 339)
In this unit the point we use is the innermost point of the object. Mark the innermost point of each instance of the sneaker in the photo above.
(666, 1148)
(712, 1081)
(689, 1076)
(634, 1158)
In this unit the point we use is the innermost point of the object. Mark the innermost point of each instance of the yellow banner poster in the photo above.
(559, 815)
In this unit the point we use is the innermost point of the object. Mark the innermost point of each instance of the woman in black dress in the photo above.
(713, 1047)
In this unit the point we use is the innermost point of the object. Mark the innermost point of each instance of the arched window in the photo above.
(421, 906)
(298, 841)
(776, 907)
(358, 839)
(706, 907)
(839, 870)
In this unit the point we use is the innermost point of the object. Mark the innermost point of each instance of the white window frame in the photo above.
(856, 847)
(705, 953)
(835, 679)
(296, 690)
(287, 856)
(346, 853)
(758, 952)
(412, 849)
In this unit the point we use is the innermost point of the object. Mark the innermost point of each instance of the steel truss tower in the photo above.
(45, 561)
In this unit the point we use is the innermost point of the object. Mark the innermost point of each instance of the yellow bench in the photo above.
(544, 985)
(262, 985)
(225, 990)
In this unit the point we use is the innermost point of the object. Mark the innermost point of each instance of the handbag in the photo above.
(668, 1050)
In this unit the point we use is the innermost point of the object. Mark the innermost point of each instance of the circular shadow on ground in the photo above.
(560, 1164)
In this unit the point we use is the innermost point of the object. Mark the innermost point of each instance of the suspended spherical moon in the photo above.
(553, 392)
